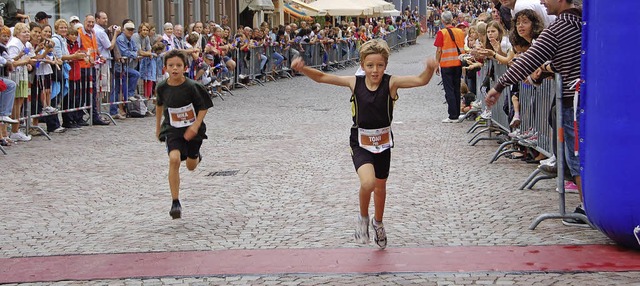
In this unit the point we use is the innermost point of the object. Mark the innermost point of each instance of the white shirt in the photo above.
(14, 47)
(535, 6)
(103, 41)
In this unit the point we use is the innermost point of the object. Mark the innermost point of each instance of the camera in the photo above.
(114, 27)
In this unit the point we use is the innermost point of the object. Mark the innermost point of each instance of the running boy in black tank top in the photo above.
(372, 100)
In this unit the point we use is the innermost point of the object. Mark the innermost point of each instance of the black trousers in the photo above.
(451, 82)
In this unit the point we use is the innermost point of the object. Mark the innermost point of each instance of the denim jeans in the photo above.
(127, 84)
(278, 57)
(451, 82)
(573, 161)
(7, 97)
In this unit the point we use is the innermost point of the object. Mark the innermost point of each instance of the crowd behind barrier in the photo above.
(539, 122)
(535, 103)
(80, 92)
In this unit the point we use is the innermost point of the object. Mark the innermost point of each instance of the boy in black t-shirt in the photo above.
(183, 103)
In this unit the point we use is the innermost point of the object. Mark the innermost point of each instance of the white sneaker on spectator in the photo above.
(60, 130)
(133, 98)
(448, 120)
(551, 161)
(486, 114)
(7, 119)
(19, 136)
(49, 109)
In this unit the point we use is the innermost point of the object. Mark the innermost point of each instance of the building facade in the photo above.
(157, 12)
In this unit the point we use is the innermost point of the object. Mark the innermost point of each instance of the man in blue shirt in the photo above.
(126, 77)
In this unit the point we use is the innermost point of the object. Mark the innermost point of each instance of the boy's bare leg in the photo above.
(379, 198)
(367, 176)
(366, 173)
(174, 173)
(192, 163)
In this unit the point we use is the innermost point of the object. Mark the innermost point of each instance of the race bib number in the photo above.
(375, 140)
(182, 116)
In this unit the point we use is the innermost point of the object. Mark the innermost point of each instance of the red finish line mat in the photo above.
(552, 258)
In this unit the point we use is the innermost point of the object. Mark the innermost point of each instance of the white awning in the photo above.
(309, 10)
(342, 8)
(261, 5)
(392, 13)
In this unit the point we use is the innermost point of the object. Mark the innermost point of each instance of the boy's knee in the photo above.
(368, 185)
(174, 158)
(192, 164)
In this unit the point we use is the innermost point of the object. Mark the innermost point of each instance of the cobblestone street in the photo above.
(104, 190)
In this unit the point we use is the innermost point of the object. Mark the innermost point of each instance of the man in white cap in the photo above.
(126, 76)
(73, 21)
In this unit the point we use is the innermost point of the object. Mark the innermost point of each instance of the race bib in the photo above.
(182, 116)
(375, 140)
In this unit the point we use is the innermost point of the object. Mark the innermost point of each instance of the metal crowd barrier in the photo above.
(496, 120)
(535, 111)
(76, 98)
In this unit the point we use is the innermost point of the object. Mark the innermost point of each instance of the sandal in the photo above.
(515, 155)
(4, 142)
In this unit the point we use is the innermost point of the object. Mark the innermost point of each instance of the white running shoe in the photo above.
(362, 230)
(380, 236)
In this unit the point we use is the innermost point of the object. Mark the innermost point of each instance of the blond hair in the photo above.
(19, 27)
(375, 46)
(59, 22)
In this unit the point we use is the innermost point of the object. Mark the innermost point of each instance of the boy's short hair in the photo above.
(375, 46)
(72, 32)
(173, 54)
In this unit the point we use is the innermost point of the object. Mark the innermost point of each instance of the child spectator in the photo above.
(74, 97)
(467, 97)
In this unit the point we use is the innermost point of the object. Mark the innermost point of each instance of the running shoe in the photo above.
(176, 209)
(362, 230)
(380, 236)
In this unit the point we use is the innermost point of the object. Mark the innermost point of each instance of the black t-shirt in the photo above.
(189, 92)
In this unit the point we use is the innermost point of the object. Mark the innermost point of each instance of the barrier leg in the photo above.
(499, 153)
(538, 179)
(561, 214)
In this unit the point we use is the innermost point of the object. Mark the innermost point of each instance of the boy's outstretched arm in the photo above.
(415, 81)
(318, 76)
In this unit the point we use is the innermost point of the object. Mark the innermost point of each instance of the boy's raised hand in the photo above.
(297, 64)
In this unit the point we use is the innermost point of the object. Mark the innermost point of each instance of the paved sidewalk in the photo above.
(104, 190)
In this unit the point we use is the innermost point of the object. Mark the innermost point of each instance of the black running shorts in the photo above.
(380, 161)
(189, 149)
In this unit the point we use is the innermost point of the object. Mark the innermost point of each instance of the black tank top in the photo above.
(371, 109)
